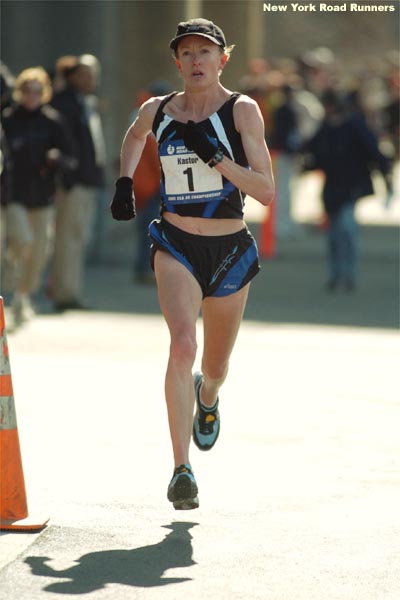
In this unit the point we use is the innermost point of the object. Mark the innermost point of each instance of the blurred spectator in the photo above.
(255, 83)
(62, 67)
(346, 151)
(5, 193)
(285, 142)
(373, 93)
(7, 82)
(318, 69)
(291, 115)
(38, 146)
(391, 110)
(76, 200)
(147, 195)
(147, 188)
(308, 108)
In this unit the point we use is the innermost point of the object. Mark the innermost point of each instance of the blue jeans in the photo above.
(343, 244)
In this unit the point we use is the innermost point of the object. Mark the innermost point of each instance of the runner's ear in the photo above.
(224, 60)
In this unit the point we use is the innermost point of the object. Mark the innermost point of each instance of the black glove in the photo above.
(196, 139)
(123, 204)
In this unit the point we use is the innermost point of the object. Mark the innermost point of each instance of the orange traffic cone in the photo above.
(267, 234)
(13, 504)
(267, 237)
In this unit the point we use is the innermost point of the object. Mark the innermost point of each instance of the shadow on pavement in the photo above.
(139, 567)
(289, 288)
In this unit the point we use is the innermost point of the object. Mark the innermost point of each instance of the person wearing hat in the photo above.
(212, 153)
(76, 199)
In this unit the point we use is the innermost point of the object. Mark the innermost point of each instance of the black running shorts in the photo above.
(221, 264)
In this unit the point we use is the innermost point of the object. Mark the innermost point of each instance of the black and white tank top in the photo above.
(189, 187)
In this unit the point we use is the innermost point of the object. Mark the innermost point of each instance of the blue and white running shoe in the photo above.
(206, 423)
(182, 490)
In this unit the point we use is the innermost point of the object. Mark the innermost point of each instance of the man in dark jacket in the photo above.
(76, 201)
(285, 142)
(346, 151)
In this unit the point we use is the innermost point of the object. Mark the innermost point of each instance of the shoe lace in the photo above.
(206, 422)
(183, 469)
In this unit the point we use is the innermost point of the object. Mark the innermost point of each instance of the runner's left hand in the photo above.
(196, 139)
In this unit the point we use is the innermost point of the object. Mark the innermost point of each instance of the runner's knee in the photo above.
(215, 373)
(183, 348)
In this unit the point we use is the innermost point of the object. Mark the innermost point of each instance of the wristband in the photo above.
(217, 158)
(124, 183)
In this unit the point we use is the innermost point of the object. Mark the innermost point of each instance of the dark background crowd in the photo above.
(321, 113)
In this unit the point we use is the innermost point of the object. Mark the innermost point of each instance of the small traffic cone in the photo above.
(267, 237)
(267, 234)
(13, 503)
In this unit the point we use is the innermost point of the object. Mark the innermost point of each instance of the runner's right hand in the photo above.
(123, 204)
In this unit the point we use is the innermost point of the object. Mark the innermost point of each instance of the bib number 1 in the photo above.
(187, 179)
(189, 173)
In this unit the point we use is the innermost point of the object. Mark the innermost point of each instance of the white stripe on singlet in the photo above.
(221, 134)
(164, 123)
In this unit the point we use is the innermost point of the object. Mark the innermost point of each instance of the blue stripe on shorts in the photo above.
(163, 241)
(235, 276)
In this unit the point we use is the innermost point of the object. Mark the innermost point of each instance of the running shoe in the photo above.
(182, 491)
(206, 423)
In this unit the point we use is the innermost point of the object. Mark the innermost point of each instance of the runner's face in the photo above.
(199, 60)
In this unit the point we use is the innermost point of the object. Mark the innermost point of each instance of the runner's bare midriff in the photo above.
(201, 226)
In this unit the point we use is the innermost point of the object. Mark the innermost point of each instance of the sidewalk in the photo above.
(289, 288)
(298, 500)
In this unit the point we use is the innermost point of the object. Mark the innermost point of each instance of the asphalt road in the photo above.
(298, 500)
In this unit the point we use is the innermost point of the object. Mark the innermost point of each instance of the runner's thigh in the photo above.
(221, 322)
(178, 291)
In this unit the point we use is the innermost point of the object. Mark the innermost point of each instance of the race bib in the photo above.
(187, 178)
